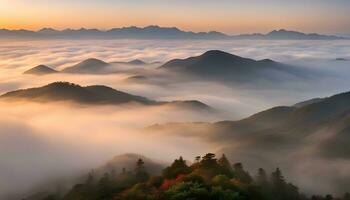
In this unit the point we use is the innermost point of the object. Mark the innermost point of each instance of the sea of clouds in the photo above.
(43, 141)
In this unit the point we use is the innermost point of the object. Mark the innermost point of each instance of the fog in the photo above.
(39, 142)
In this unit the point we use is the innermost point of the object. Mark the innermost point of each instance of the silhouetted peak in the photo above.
(60, 85)
(267, 61)
(47, 30)
(215, 53)
(136, 62)
(218, 54)
(41, 67)
(94, 61)
(40, 70)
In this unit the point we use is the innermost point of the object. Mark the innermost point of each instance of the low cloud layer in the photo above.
(42, 141)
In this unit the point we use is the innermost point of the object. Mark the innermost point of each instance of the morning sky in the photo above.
(229, 16)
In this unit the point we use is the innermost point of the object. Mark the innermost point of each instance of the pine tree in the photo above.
(277, 179)
(208, 160)
(225, 165)
(241, 174)
(140, 171)
(261, 178)
(178, 167)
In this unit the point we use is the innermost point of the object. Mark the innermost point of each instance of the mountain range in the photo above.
(302, 138)
(212, 65)
(93, 95)
(220, 65)
(285, 127)
(155, 32)
(88, 66)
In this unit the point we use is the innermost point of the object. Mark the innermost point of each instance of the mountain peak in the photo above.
(91, 65)
(216, 53)
(136, 62)
(94, 61)
(40, 70)
(94, 94)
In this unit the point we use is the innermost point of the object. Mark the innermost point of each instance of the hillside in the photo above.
(91, 65)
(318, 131)
(94, 95)
(40, 70)
(208, 178)
(221, 65)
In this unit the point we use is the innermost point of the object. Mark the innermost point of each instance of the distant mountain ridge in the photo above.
(40, 70)
(91, 65)
(283, 34)
(93, 95)
(220, 65)
(155, 32)
(313, 129)
(88, 66)
(286, 126)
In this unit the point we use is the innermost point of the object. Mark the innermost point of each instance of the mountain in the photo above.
(127, 162)
(341, 59)
(211, 177)
(132, 32)
(304, 138)
(283, 34)
(91, 65)
(136, 78)
(155, 32)
(221, 65)
(287, 124)
(308, 102)
(40, 70)
(63, 91)
(136, 62)
(132, 62)
(96, 95)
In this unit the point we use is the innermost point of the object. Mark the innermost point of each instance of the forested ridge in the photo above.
(207, 178)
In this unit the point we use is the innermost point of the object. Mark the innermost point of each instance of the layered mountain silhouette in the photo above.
(283, 34)
(219, 65)
(135, 62)
(309, 136)
(284, 128)
(91, 65)
(154, 32)
(88, 66)
(95, 95)
(40, 70)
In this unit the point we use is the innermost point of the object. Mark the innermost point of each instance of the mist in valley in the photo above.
(40, 142)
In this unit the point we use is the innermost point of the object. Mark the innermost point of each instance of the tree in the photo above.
(105, 187)
(281, 189)
(178, 167)
(140, 171)
(241, 174)
(208, 160)
(277, 180)
(226, 166)
(261, 178)
(197, 159)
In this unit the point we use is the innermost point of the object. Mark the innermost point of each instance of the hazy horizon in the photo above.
(73, 100)
(231, 17)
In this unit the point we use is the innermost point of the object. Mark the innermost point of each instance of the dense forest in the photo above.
(207, 178)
